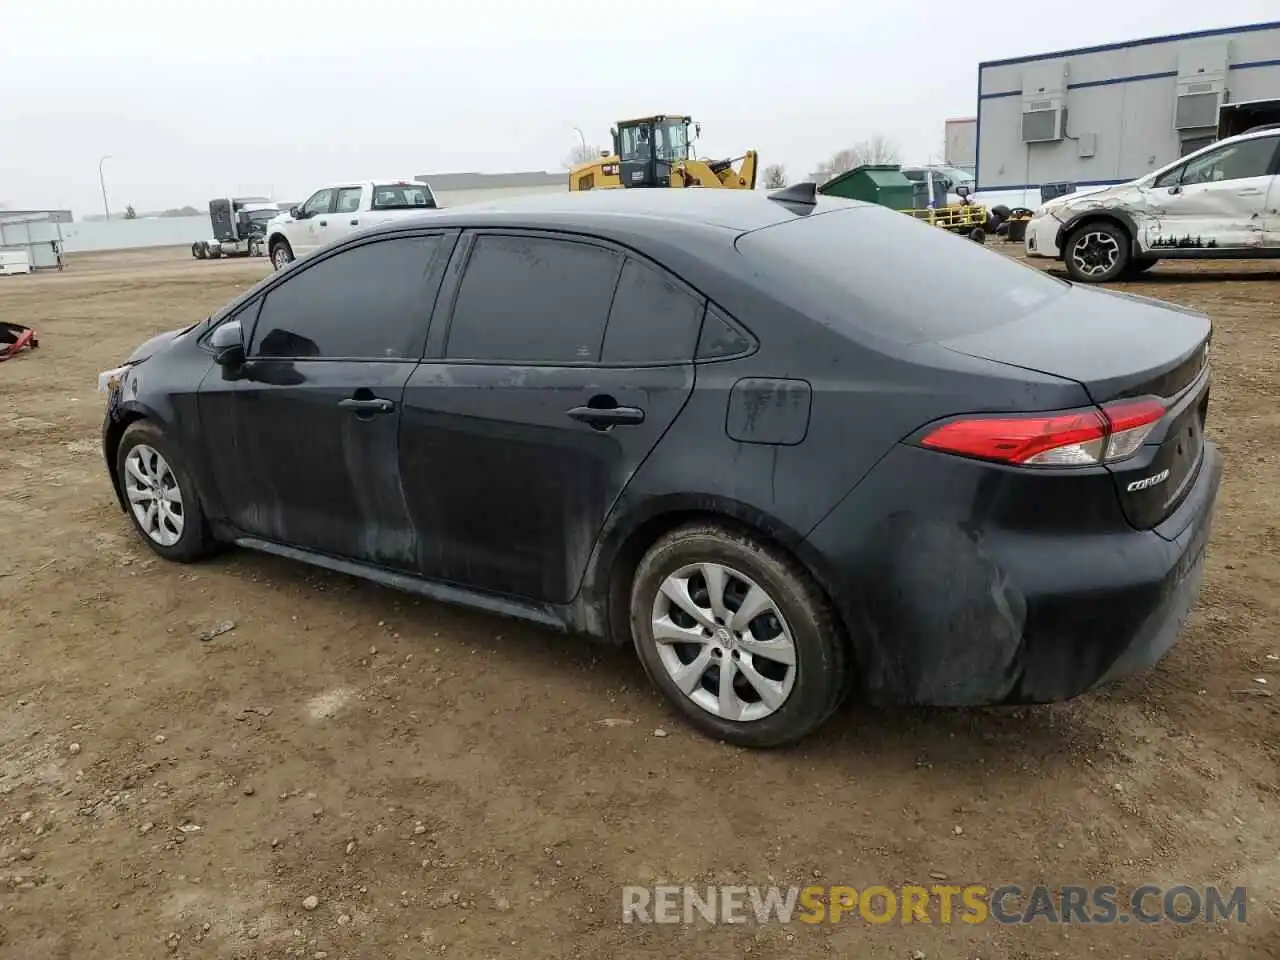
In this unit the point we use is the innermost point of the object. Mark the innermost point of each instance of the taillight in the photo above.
(1082, 438)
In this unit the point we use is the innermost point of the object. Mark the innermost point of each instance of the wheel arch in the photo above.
(607, 585)
(111, 438)
(1118, 218)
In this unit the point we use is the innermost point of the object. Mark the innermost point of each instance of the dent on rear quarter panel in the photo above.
(938, 589)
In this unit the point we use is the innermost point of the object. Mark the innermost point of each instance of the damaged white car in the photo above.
(1220, 202)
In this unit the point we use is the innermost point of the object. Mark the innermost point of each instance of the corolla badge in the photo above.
(1146, 482)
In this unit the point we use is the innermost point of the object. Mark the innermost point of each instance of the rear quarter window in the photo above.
(889, 275)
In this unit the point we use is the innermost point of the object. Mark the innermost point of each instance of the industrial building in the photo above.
(1108, 114)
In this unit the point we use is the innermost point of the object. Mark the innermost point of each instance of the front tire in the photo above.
(1096, 252)
(160, 496)
(737, 636)
(281, 254)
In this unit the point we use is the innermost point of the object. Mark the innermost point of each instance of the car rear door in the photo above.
(303, 439)
(1217, 199)
(556, 368)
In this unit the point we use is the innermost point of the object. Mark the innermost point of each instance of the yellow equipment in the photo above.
(656, 152)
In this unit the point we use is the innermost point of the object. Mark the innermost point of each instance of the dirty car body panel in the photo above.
(586, 372)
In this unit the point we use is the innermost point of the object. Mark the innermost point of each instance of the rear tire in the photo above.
(160, 496)
(769, 701)
(197, 251)
(281, 254)
(1096, 252)
(978, 235)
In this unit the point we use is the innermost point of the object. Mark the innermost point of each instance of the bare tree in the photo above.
(582, 153)
(877, 149)
(775, 175)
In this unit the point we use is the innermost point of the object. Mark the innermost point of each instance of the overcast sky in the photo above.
(196, 100)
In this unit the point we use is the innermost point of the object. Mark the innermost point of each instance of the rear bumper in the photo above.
(945, 611)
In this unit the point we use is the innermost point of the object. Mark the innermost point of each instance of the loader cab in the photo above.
(648, 147)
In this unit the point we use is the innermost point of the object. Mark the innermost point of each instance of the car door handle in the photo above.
(355, 223)
(1249, 192)
(604, 417)
(374, 405)
(324, 223)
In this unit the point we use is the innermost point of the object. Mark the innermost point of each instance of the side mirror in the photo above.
(963, 191)
(296, 213)
(228, 345)
(1175, 189)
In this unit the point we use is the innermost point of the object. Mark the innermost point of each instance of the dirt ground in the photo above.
(443, 781)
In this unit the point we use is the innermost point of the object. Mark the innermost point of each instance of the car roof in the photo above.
(1266, 131)
(640, 210)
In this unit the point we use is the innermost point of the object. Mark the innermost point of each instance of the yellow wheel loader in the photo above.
(656, 152)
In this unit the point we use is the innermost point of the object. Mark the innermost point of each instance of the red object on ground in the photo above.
(14, 338)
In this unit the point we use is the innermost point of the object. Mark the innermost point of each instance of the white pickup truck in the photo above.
(336, 211)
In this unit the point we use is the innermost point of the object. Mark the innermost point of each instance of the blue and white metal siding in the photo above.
(1123, 94)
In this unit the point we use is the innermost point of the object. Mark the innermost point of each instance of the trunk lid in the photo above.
(1120, 346)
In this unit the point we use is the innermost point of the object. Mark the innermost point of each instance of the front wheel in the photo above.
(161, 497)
(1096, 253)
(281, 254)
(737, 636)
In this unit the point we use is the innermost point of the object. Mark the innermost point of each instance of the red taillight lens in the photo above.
(1052, 439)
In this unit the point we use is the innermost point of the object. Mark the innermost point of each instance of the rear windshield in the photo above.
(402, 196)
(894, 277)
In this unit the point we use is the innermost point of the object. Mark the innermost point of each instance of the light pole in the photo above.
(106, 209)
(584, 144)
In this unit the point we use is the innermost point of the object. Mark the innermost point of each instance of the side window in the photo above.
(1170, 178)
(531, 299)
(653, 319)
(321, 202)
(348, 200)
(1248, 158)
(366, 302)
(719, 338)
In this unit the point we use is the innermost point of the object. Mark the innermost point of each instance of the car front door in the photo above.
(560, 364)
(346, 214)
(306, 235)
(1216, 200)
(303, 437)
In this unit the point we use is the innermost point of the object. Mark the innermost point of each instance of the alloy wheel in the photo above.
(154, 495)
(724, 642)
(1095, 253)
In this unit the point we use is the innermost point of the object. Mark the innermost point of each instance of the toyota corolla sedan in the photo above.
(734, 429)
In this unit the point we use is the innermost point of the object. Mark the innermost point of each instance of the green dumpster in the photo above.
(882, 184)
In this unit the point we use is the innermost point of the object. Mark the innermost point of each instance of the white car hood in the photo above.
(1094, 199)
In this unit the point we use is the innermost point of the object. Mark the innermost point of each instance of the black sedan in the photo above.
(787, 446)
